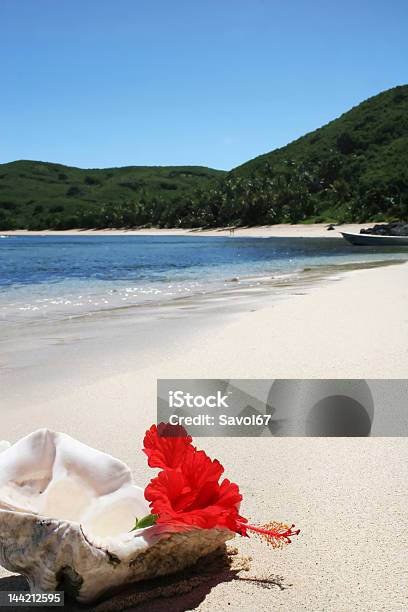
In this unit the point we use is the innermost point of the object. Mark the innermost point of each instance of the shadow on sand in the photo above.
(176, 593)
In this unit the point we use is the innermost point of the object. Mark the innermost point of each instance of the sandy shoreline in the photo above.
(315, 230)
(349, 496)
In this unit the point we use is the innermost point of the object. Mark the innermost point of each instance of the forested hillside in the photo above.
(38, 195)
(352, 169)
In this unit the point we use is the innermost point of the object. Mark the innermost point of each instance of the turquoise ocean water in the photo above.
(65, 276)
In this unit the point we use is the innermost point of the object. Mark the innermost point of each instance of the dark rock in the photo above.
(397, 228)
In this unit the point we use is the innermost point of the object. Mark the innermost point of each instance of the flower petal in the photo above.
(166, 446)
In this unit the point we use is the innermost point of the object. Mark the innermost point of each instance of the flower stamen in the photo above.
(275, 534)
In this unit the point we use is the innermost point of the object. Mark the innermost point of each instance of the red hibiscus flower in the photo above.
(192, 495)
(188, 490)
(166, 445)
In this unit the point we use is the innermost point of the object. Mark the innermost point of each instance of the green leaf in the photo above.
(146, 521)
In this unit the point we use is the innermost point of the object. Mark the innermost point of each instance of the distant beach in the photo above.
(300, 230)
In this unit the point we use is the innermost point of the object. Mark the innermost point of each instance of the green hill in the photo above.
(355, 168)
(357, 164)
(39, 195)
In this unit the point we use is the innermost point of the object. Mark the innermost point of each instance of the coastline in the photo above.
(343, 336)
(136, 330)
(284, 230)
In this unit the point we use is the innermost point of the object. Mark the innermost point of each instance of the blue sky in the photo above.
(98, 83)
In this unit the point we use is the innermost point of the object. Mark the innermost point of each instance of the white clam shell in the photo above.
(66, 511)
(4, 445)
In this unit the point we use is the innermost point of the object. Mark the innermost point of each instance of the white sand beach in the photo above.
(348, 496)
(312, 230)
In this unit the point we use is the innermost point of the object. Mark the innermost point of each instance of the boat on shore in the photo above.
(374, 239)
